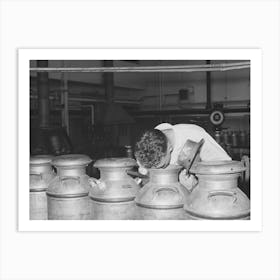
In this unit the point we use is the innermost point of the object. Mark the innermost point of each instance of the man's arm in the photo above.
(188, 155)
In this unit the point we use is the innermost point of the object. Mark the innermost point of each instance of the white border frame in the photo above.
(254, 55)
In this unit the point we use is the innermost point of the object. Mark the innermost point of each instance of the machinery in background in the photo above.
(235, 142)
(45, 138)
(217, 118)
(49, 140)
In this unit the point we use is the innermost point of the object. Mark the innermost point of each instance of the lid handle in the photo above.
(223, 193)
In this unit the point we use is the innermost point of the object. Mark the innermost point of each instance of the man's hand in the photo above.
(189, 181)
(143, 170)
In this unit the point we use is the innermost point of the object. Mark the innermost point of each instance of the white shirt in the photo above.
(210, 151)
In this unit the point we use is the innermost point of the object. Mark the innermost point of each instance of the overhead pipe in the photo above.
(179, 68)
(93, 100)
(82, 99)
(187, 112)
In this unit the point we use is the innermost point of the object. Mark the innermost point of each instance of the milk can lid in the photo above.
(71, 160)
(41, 159)
(115, 162)
(217, 167)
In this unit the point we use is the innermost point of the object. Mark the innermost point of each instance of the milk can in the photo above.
(112, 197)
(68, 192)
(217, 195)
(234, 137)
(243, 138)
(41, 174)
(218, 136)
(163, 197)
(226, 138)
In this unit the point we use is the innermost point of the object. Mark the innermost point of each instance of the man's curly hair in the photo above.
(151, 148)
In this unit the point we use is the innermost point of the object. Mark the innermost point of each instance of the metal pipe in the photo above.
(66, 101)
(188, 111)
(81, 99)
(179, 68)
(208, 88)
(43, 95)
(198, 103)
(109, 81)
(91, 111)
(36, 97)
(61, 92)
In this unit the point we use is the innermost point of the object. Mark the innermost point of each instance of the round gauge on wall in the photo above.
(217, 117)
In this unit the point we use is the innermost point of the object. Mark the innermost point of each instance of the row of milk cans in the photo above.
(60, 189)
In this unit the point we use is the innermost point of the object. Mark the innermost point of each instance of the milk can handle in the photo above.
(223, 193)
(246, 174)
(37, 174)
(166, 189)
(62, 179)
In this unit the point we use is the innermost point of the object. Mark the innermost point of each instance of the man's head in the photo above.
(153, 150)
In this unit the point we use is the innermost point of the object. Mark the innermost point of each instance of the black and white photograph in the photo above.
(139, 139)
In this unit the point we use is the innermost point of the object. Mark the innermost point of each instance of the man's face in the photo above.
(166, 159)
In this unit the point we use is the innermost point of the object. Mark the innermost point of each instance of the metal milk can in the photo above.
(234, 137)
(41, 174)
(243, 138)
(68, 192)
(226, 138)
(217, 195)
(112, 197)
(163, 197)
